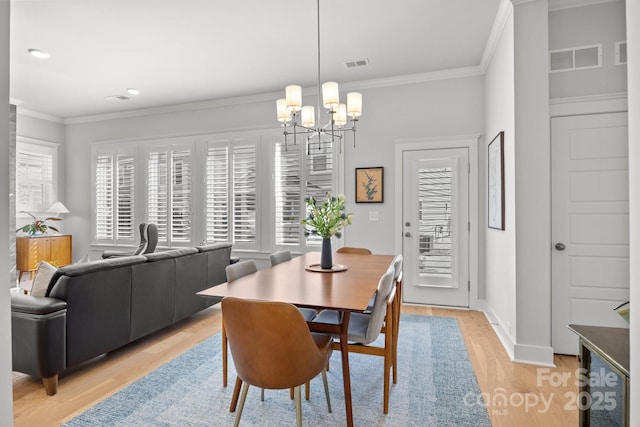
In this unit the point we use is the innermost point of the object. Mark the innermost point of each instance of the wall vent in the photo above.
(577, 58)
(621, 53)
(357, 63)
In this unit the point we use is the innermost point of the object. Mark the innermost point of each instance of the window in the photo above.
(288, 195)
(35, 176)
(297, 176)
(231, 192)
(114, 202)
(208, 189)
(169, 193)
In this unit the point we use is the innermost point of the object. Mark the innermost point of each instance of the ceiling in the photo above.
(183, 51)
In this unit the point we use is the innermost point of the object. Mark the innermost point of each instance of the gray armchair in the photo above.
(148, 243)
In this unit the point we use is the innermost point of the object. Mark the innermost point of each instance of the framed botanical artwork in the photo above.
(495, 192)
(369, 185)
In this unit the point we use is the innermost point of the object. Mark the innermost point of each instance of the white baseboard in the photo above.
(519, 353)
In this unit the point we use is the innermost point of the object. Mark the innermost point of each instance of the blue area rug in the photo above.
(434, 371)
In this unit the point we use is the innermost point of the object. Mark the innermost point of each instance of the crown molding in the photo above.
(555, 5)
(38, 115)
(504, 11)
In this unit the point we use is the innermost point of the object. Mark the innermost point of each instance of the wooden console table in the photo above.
(55, 250)
(599, 400)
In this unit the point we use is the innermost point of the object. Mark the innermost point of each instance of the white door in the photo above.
(590, 223)
(436, 226)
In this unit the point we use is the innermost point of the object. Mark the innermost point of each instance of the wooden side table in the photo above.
(604, 388)
(55, 250)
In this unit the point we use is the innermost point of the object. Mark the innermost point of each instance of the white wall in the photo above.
(499, 246)
(583, 26)
(438, 108)
(532, 184)
(633, 38)
(6, 389)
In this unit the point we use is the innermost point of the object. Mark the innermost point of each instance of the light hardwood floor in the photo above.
(500, 379)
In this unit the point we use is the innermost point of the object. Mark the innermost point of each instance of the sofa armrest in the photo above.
(36, 305)
(38, 337)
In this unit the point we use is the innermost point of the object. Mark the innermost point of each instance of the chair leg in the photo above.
(236, 393)
(396, 330)
(298, 406)
(245, 389)
(291, 393)
(388, 354)
(326, 389)
(224, 356)
(307, 390)
(261, 395)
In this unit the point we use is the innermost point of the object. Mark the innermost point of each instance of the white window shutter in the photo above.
(244, 194)
(288, 194)
(126, 198)
(169, 182)
(181, 196)
(104, 176)
(217, 197)
(157, 193)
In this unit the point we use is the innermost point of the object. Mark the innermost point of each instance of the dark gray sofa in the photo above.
(92, 308)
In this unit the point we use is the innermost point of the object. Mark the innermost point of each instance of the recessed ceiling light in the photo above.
(40, 54)
(133, 91)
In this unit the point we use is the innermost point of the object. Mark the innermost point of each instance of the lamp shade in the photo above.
(294, 97)
(330, 95)
(340, 117)
(58, 208)
(284, 115)
(308, 116)
(354, 104)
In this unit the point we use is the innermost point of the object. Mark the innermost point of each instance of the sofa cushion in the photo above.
(42, 278)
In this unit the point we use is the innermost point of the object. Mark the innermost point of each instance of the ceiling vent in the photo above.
(357, 63)
(117, 97)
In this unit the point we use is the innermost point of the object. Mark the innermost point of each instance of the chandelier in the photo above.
(304, 120)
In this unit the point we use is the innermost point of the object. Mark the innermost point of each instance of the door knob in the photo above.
(560, 246)
(407, 234)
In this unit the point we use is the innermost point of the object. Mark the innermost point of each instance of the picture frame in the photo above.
(370, 185)
(495, 182)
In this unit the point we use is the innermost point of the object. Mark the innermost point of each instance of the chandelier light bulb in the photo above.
(354, 104)
(330, 95)
(294, 97)
(284, 115)
(308, 116)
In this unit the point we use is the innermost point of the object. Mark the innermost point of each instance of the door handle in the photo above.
(560, 246)
(407, 234)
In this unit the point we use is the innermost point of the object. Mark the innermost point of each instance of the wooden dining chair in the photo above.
(272, 348)
(365, 328)
(352, 250)
(236, 271)
(280, 257)
(283, 256)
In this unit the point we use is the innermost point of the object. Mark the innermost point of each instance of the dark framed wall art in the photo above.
(495, 191)
(369, 185)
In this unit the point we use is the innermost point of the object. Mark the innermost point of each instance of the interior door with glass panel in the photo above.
(436, 227)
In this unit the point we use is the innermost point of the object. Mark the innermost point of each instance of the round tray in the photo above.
(316, 268)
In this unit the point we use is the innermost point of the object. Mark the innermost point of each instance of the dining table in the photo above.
(347, 287)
